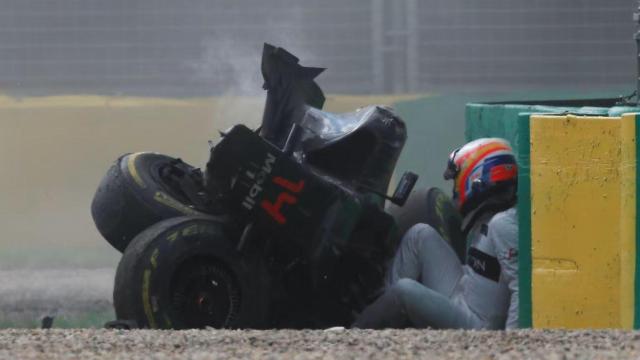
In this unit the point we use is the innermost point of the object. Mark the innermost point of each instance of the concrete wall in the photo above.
(583, 260)
(55, 150)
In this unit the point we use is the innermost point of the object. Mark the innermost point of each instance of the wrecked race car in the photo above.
(286, 226)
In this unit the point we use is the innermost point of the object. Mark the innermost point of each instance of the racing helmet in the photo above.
(482, 169)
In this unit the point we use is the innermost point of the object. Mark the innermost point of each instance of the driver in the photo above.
(427, 284)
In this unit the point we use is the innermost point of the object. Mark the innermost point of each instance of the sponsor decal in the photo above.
(275, 209)
(154, 258)
(258, 177)
(483, 264)
(146, 299)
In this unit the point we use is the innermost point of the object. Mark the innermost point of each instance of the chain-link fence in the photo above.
(203, 47)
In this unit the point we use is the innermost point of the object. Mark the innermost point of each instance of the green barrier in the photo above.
(524, 223)
(501, 120)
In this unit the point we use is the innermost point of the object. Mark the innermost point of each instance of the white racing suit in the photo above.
(429, 287)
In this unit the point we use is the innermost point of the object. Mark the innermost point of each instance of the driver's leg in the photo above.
(408, 303)
(424, 256)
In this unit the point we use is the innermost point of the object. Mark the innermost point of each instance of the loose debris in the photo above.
(307, 344)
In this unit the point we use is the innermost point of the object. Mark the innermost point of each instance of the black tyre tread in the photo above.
(420, 208)
(125, 296)
(131, 257)
(413, 212)
(121, 209)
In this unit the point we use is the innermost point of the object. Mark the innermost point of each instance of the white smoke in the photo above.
(226, 59)
(236, 61)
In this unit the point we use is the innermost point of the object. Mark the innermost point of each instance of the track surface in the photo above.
(386, 344)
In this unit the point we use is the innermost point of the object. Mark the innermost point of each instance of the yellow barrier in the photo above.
(583, 221)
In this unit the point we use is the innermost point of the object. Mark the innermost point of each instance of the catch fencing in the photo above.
(202, 47)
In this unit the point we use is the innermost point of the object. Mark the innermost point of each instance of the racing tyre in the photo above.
(186, 273)
(139, 190)
(431, 206)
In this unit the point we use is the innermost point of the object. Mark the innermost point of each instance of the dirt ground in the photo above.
(76, 297)
(292, 344)
(82, 298)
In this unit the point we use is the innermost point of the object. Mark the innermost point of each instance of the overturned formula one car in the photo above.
(286, 227)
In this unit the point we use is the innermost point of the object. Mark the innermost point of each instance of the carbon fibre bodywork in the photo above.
(327, 242)
(306, 190)
(299, 237)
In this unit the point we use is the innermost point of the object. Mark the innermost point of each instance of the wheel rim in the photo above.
(166, 174)
(205, 293)
(173, 175)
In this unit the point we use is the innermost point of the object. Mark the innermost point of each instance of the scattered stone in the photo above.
(47, 322)
(314, 344)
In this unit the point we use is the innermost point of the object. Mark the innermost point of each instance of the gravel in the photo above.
(77, 297)
(82, 298)
(308, 344)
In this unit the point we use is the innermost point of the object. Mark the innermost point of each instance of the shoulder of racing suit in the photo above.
(503, 232)
(504, 220)
(493, 240)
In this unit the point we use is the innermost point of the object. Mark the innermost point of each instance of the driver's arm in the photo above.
(503, 231)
